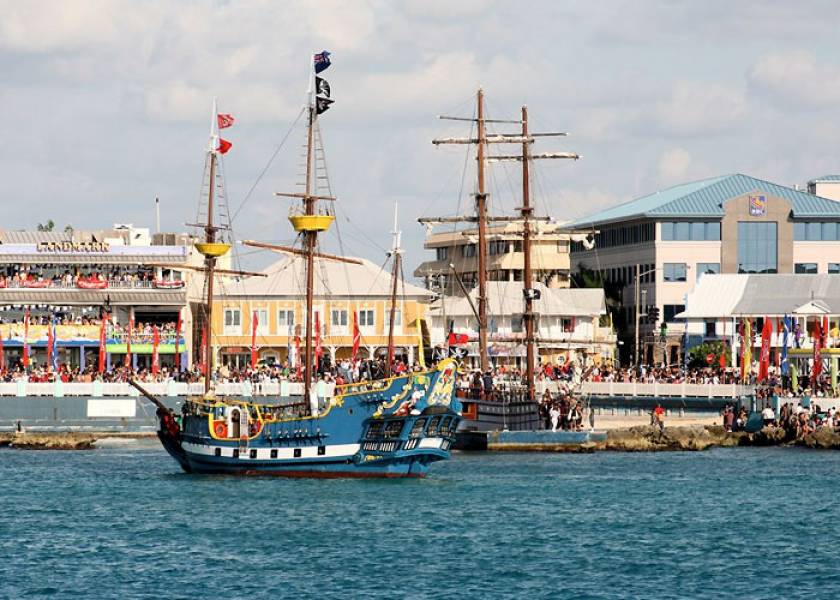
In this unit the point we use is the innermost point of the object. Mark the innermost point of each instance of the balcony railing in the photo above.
(682, 390)
(99, 389)
(49, 284)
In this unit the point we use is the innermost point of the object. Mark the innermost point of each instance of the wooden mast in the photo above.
(310, 238)
(481, 214)
(210, 259)
(527, 275)
(396, 253)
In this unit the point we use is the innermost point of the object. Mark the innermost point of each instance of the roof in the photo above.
(714, 296)
(285, 278)
(717, 296)
(505, 298)
(825, 178)
(705, 199)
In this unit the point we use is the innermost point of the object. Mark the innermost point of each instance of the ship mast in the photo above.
(525, 138)
(396, 268)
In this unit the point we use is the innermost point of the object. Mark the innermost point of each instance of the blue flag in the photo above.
(322, 61)
(784, 361)
(55, 346)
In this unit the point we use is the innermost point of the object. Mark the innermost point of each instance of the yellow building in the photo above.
(341, 290)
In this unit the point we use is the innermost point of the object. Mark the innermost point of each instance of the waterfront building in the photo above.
(72, 278)
(342, 290)
(569, 324)
(719, 303)
(728, 224)
(505, 259)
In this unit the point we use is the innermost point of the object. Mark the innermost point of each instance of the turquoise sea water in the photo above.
(123, 522)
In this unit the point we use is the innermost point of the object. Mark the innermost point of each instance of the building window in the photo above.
(674, 271)
(366, 318)
(285, 321)
(497, 247)
(757, 247)
(567, 324)
(834, 268)
(669, 310)
(805, 268)
(442, 253)
(262, 321)
(816, 231)
(469, 250)
(233, 321)
(517, 246)
(711, 330)
(338, 320)
(516, 324)
(690, 231)
(707, 269)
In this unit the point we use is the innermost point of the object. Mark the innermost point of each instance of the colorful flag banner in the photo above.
(321, 61)
(357, 337)
(764, 357)
(155, 354)
(102, 344)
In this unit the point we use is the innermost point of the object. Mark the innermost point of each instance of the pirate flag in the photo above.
(322, 87)
(322, 105)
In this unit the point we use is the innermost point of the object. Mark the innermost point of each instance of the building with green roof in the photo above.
(727, 224)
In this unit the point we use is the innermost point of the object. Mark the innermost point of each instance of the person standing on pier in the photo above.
(659, 416)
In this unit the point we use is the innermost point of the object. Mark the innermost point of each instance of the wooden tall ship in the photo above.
(391, 427)
(516, 407)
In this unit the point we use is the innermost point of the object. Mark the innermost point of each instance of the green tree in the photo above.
(697, 355)
(48, 226)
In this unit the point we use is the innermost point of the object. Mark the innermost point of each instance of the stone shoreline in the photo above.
(691, 438)
(67, 440)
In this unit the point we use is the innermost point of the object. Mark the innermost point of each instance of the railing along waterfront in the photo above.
(682, 390)
(99, 389)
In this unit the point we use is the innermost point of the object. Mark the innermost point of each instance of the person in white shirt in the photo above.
(768, 416)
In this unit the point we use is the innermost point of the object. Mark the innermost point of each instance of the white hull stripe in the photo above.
(430, 443)
(285, 453)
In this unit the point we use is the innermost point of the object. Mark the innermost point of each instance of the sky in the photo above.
(107, 105)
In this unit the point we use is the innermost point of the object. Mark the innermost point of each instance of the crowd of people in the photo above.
(60, 276)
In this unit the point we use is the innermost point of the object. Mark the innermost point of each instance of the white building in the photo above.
(568, 323)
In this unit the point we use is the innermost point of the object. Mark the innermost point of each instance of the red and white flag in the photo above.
(225, 120)
(254, 341)
(224, 146)
(357, 337)
(155, 355)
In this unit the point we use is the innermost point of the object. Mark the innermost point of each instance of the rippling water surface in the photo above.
(123, 522)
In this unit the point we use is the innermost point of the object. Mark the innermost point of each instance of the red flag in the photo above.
(456, 339)
(317, 338)
(357, 336)
(26, 338)
(254, 341)
(203, 364)
(764, 357)
(225, 120)
(128, 342)
(824, 340)
(50, 348)
(102, 350)
(224, 146)
(178, 342)
(817, 367)
(155, 355)
(722, 358)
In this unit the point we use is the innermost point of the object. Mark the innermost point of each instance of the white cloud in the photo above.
(796, 77)
(673, 165)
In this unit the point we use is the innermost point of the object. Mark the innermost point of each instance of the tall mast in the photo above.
(481, 214)
(310, 238)
(396, 253)
(527, 276)
(210, 259)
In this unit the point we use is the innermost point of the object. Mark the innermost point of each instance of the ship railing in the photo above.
(171, 388)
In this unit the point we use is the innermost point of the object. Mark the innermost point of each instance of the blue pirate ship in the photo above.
(391, 427)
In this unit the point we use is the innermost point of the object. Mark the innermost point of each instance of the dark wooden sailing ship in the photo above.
(514, 408)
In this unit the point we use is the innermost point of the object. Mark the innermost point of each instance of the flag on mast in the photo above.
(321, 61)
(322, 87)
(224, 120)
(224, 146)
